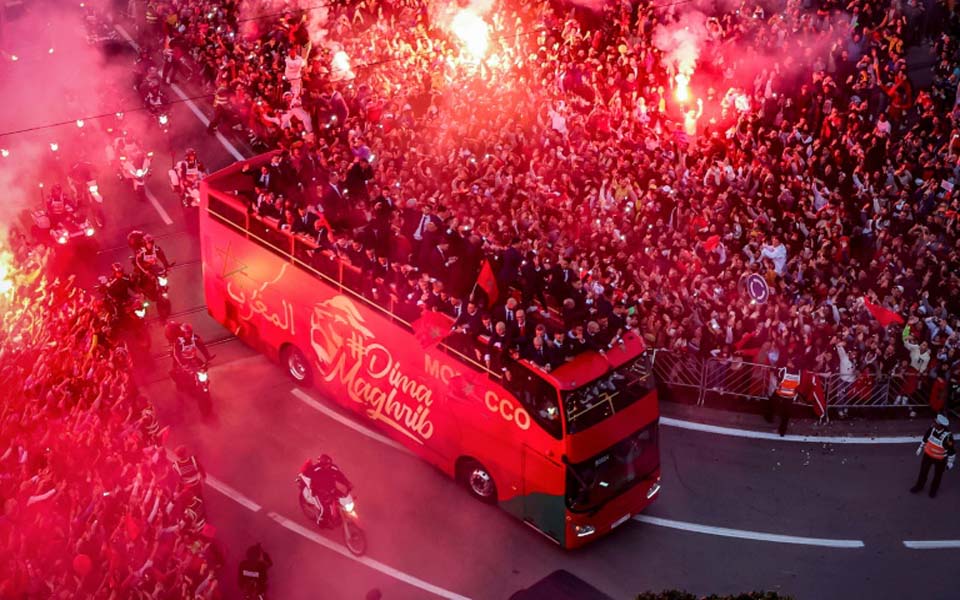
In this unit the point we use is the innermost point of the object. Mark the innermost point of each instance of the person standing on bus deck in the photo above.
(781, 401)
(937, 449)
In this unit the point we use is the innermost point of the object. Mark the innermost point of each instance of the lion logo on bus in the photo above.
(331, 323)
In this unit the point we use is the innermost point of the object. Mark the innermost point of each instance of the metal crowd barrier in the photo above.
(694, 377)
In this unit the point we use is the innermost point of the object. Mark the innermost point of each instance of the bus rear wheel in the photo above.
(297, 365)
(479, 481)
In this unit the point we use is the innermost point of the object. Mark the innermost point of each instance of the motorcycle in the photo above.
(195, 380)
(154, 286)
(60, 229)
(136, 169)
(345, 515)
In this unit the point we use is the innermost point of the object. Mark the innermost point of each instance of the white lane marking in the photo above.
(369, 562)
(126, 36)
(156, 204)
(373, 435)
(748, 535)
(231, 493)
(193, 107)
(931, 544)
(763, 435)
(206, 122)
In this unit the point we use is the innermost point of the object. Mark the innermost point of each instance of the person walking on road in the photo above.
(938, 452)
(781, 401)
(190, 472)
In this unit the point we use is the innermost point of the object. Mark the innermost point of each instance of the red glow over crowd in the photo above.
(628, 167)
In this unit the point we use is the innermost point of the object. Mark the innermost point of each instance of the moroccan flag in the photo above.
(464, 386)
(938, 394)
(488, 282)
(816, 396)
(711, 243)
(882, 315)
(431, 327)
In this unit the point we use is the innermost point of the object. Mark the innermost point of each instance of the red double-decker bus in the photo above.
(573, 453)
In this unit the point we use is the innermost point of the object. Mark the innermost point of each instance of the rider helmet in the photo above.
(324, 460)
(147, 238)
(191, 153)
(186, 329)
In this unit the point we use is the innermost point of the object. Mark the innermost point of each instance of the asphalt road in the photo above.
(848, 505)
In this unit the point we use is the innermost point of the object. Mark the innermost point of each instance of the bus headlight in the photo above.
(140, 312)
(584, 530)
(162, 281)
(201, 376)
(90, 231)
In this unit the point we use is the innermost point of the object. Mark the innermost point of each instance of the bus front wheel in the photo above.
(297, 365)
(479, 481)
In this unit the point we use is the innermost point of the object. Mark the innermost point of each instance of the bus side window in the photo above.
(539, 398)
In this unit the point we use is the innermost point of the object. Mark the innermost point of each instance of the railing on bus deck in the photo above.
(302, 251)
(688, 374)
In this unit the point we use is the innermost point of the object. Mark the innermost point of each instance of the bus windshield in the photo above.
(593, 482)
(593, 402)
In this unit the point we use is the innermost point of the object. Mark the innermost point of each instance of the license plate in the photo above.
(620, 521)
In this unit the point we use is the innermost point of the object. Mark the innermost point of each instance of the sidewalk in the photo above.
(854, 426)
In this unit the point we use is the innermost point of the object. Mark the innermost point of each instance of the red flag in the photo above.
(817, 396)
(464, 386)
(882, 315)
(488, 282)
(431, 327)
(938, 394)
(711, 242)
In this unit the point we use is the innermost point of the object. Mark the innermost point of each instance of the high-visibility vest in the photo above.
(788, 385)
(188, 470)
(935, 444)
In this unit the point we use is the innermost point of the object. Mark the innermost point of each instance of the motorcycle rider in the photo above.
(324, 478)
(187, 350)
(252, 571)
(119, 287)
(59, 205)
(187, 173)
(149, 256)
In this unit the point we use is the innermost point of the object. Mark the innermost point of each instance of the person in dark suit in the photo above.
(468, 323)
(305, 220)
(505, 312)
(510, 267)
(538, 354)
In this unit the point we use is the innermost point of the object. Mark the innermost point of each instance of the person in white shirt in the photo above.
(776, 252)
(293, 71)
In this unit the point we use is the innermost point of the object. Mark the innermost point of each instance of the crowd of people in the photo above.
(90, 505)
(565, 158)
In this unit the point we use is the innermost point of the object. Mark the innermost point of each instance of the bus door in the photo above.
(543, 493)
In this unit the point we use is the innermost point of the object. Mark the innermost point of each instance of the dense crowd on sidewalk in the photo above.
(90, 506)
(564, 157)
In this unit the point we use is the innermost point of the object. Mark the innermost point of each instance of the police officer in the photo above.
(188, 347)
(938, 452)
(190, 472)
(252, 571)
(782, 398)
(149, 255)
